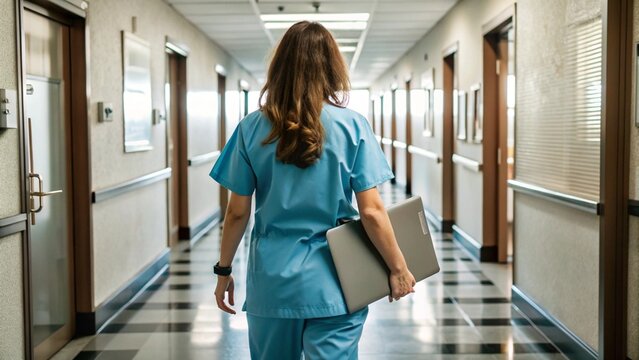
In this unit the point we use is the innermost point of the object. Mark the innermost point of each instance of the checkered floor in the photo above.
(464, 312)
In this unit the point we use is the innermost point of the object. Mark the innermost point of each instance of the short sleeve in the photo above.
(370, 167)
(233, 169)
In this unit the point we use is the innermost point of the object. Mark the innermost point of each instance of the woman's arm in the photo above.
(237, 215)
(378, 227)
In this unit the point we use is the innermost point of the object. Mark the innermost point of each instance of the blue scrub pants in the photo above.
(333, 338)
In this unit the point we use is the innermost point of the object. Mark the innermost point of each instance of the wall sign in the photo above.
(428, 84)
(475, 113)
(137, 103)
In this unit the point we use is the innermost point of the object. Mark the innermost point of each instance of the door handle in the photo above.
(34, 176)
(39, 194)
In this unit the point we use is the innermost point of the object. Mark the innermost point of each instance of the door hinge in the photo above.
(498, 156)
(498, 65)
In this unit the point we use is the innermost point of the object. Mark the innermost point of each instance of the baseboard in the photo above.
(438, 222)
(89, 323)
(447, 226)
(564, 339)
(633, 207)
(193, 233)
(480, 252)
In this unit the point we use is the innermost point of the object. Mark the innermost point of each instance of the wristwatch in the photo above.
(220, 270)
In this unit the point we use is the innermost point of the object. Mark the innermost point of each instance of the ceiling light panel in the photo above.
(315, 17)
(347, 48)
(347, 40)
(331, 25)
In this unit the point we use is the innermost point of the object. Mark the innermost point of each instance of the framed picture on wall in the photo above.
(136, 96)
(475, 113)
(459, 114)
(428, 84)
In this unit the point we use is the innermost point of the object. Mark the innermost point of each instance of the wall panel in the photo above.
(11, 301)
(557, 262)
(9, 156)
(129, 232)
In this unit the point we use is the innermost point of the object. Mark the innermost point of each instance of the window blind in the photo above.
(558, 123)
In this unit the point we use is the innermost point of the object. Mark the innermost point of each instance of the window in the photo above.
(559, 110)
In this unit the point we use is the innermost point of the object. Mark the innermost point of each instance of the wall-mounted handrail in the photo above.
(204, 158)
(425, 153)
(399, 144)
(469, 164)
(576, 202)
(13, 224)
(387, 141)
(139, 182)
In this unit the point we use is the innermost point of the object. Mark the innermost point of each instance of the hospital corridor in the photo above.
(319, 180)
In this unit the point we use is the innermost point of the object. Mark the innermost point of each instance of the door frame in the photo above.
(409, 140)
(449, 57)
(180, 170)
(372, 115)
(492, 187)
(80, 153)
(393, 136)
(381, 123)
(221, 95)
(617, 101)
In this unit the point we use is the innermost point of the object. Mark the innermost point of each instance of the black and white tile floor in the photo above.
(458, 314)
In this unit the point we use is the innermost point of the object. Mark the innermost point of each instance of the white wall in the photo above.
(9, 163)
(131, 230)
(11, 301)
(557, 262)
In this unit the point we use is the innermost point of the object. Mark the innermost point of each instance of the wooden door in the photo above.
(221, 90)
(498, 137)
(505, 150)
(177, 149)
(409, 141)
(448, 210)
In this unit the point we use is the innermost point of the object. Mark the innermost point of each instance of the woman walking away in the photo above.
(303, 154)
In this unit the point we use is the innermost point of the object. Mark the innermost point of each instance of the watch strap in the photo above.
(221, 270)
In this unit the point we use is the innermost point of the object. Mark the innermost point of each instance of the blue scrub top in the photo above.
(290, 270)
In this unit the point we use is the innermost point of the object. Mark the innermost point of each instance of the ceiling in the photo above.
(393, 27)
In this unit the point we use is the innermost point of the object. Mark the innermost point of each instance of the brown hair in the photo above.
(307, 70)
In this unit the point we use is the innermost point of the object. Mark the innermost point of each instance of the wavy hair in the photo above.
(306, 71)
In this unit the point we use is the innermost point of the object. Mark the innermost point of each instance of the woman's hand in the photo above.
(401, 283)
(224, 284)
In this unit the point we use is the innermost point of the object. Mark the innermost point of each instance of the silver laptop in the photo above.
(362, 272)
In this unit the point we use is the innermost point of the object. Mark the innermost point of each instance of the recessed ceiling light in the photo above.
(331, 25)
(347, 41)
(315, 17)
(347, 48)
